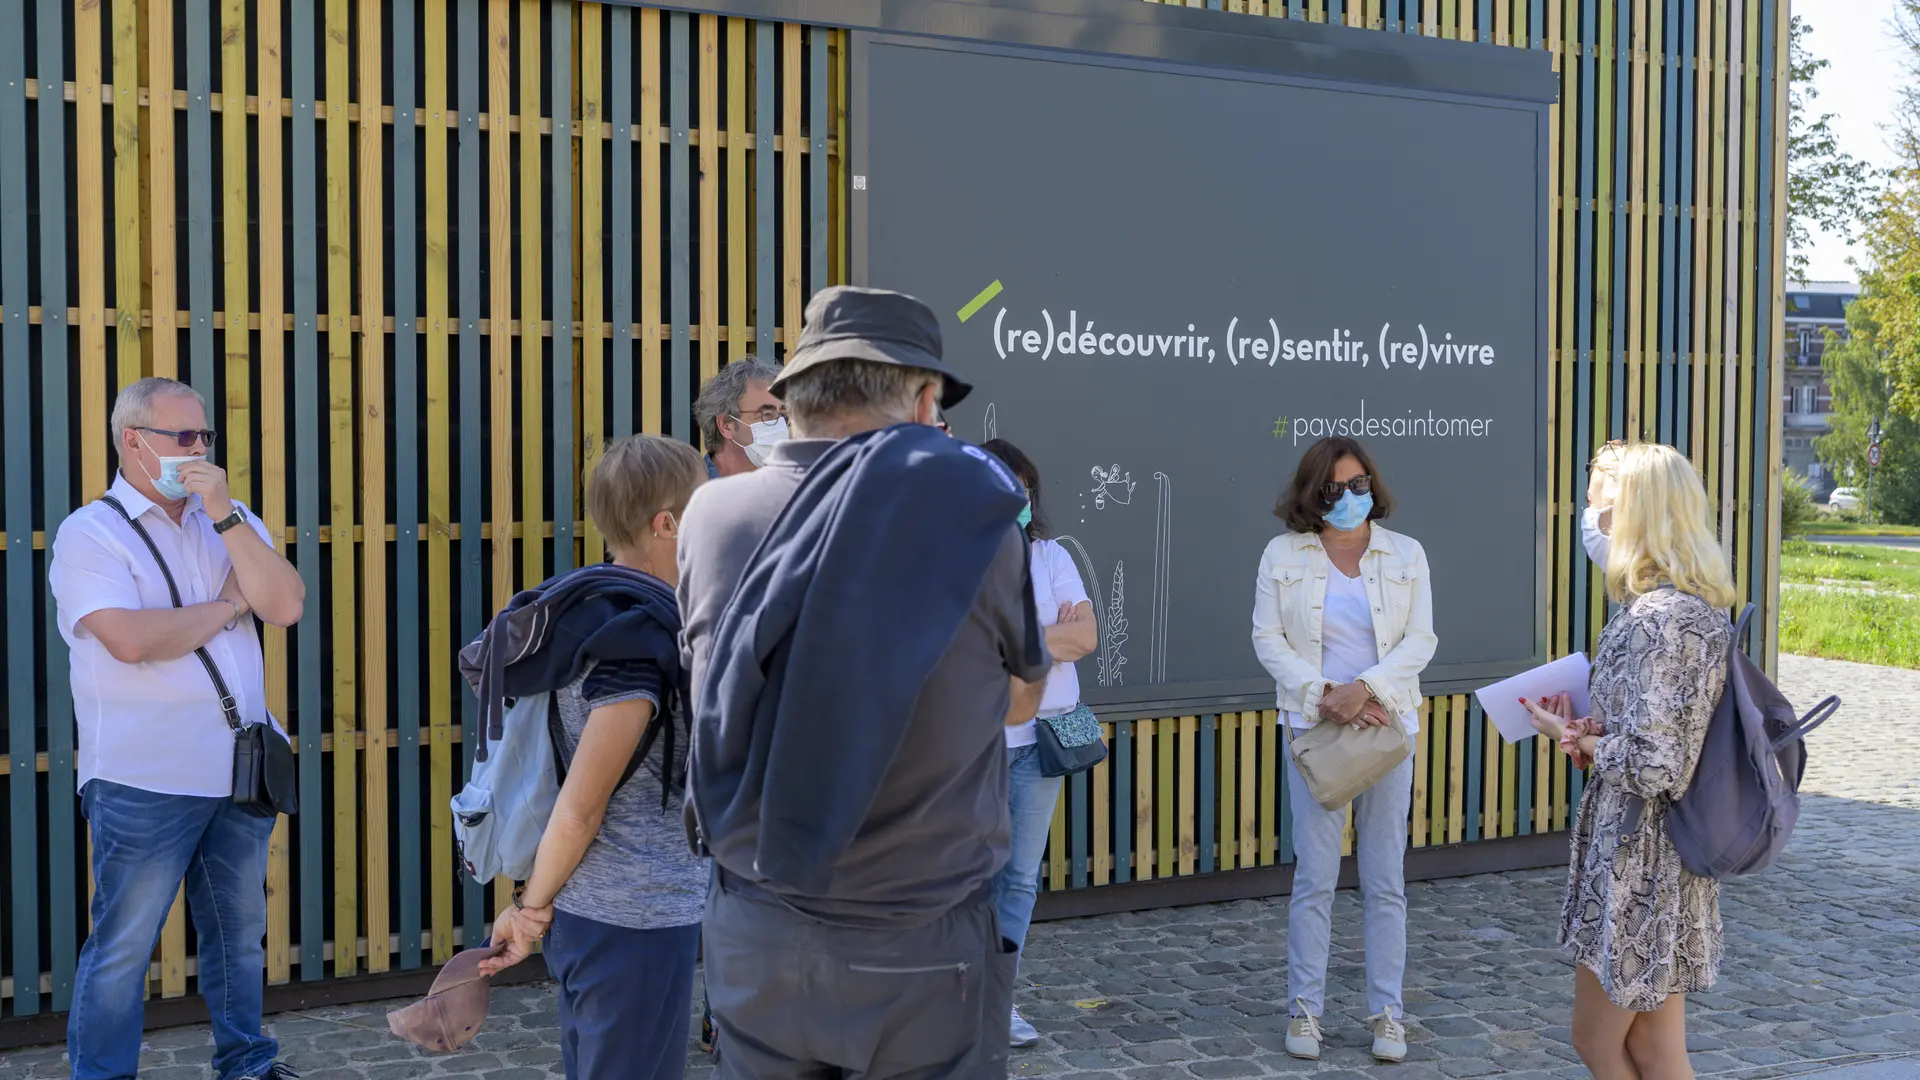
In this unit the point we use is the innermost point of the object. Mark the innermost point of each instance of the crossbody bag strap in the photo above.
(228, 706)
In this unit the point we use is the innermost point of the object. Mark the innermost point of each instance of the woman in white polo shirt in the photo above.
(1067, 617)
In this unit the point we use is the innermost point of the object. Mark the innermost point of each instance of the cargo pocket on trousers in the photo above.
(911, 1018)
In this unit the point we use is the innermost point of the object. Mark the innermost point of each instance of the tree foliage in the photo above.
(1860, 377)
(1826, 187)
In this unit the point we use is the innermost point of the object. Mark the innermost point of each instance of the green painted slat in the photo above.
(1523, 793)
(56, 500)
(1622, 156)
(1683, 330)
(560, 290)
(201, 149)
(680, 381)
(1293, 9)
(1476, 765)
(1761, 552)
(1583, 313)
(621, 254)
(766, 310)
(406, 477)
(818, 244)
(472, 378)
(1079, 818)
(1538, 25)
(304, 37)
(1336, 11)
(16, 389)
(1483, 21)
(1670, 346)
(1208, 834)
(1122, 802)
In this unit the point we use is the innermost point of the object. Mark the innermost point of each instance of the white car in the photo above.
(1844, 499)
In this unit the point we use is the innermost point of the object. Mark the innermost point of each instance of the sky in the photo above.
(1860, 88)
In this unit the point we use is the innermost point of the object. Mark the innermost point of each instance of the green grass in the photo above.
(1844, 620)
(1826, 526)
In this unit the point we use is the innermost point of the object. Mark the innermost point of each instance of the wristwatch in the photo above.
(230, 521)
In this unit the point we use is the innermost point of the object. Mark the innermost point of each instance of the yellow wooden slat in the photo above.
(1057, 847)
(1441, 743)
(164, 291)
(592, 292)
(1103, 815)
(373, 487)
(1226, 848)
(533, 288)
(173, 948)
(1777, 288)
(1188, 827)
(1250, 793)
(1562, 252)
(709, 183)
(1702, 222)
(89, 191)
(236, 454)
(500, 303)
(340, 408)
(1346, 830)
(1715, 314)
(793, 209)
(1143, 817)
(739, 245)
(1502, 35)
(270, 149)
(1543, 752)
(1490, 782)
(1749, 301)
(838, 170)
(129, 274)
(1457, 766)
(1636, 122)
(652, 285)
(1655, 211)
(440, 705)
(1166, 798)
(1269, 791)
(1510, 789)
(1418, 825)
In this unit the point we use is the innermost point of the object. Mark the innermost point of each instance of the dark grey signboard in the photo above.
(1168, 281)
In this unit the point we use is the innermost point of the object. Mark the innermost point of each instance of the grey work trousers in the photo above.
(795, 998)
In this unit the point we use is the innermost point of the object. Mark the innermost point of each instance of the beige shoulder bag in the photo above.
(1339, 761)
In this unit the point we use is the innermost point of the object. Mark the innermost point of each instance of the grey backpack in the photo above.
(1736, 815)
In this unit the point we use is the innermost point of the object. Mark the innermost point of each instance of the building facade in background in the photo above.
(1813, 309)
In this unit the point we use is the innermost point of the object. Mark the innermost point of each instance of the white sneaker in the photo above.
(1303, 1034)
(1389, 1037)
(1022, 1033)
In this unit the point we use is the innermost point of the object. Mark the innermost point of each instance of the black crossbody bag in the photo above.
(264, 776)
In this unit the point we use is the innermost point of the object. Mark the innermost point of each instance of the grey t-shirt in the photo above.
(937, 831)
(637, 873)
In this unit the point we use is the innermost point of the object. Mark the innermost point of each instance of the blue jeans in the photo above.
(143, 845)
(1380, 835)
(1031, 798)
(623, 997)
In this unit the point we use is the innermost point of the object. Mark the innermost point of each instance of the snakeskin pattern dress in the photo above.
(1633, 916)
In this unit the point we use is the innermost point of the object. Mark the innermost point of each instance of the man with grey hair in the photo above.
(859, 627)
(157, 586)
(740, 420)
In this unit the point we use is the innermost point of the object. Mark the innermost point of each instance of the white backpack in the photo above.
(499, 816)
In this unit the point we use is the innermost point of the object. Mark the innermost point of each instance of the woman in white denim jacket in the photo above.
(1343, 620)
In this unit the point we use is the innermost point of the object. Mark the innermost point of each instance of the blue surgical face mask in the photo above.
(167, 484)
(1026, 516)
(1350, 512)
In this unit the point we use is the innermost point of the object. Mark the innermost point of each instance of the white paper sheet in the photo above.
(1501, 701)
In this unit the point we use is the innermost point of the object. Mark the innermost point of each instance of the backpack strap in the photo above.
(556, 734)
(229, 708)
(1816, 716)
(1743, 627)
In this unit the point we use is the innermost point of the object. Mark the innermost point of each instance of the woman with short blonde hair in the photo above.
(1643, 931)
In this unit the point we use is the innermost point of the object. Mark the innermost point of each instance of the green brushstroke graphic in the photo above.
(974, 305)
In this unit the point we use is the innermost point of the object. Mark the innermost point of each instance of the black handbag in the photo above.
(265, 780)
(1069, 743)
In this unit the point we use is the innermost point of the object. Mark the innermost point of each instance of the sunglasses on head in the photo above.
(186, 438)
(1611, 446)
(1359, 485)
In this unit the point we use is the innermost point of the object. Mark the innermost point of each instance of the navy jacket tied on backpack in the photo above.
(850, 600)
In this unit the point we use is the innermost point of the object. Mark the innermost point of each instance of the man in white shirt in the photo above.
(155, 747)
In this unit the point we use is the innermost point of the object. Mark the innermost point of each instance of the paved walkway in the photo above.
(1822, 966)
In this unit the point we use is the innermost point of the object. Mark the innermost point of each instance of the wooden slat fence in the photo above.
(425, 258)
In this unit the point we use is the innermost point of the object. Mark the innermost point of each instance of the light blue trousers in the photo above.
(1380, 834)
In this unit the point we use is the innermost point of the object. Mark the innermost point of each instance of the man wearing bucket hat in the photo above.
(859, 627)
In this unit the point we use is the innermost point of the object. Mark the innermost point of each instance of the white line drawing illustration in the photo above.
(1112, 484)
(1111, 658)
(1162, 571)
(1090, 575)
(992, 425)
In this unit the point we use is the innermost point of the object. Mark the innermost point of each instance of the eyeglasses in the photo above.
(766, 414)
(186, 438)
(1359, 485)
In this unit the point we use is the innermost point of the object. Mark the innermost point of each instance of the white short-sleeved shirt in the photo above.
(154, 726)
(1347, 641)
(1056, 581)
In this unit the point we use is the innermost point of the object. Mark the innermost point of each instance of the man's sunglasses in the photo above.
(185, 438)
(1359, 485)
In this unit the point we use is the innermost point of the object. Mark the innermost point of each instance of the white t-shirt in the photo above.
(154, 726)
(1347, 645)
(1056, 581)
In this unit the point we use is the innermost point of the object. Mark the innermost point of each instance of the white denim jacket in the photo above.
(1288, 599)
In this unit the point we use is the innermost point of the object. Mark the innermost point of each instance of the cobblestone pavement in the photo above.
(1822, 965)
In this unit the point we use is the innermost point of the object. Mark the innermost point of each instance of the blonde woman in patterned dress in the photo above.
(1642, 930)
